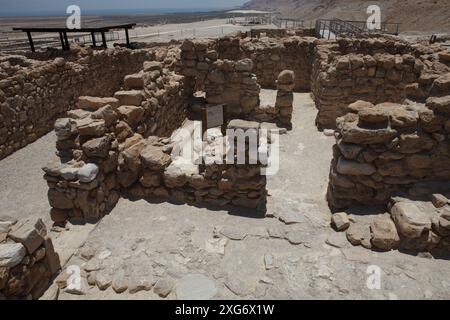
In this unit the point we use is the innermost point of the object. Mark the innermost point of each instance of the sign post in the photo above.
(214, 116)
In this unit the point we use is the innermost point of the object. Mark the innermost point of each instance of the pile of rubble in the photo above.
(28, 260)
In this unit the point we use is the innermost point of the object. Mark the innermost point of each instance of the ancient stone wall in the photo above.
(376, 70)
(270, 56)
(121, 144)
(166, 171)
(33, 94)
(28, 260)
(388, 149)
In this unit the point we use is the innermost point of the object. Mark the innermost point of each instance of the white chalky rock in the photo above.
(11, 254)
(88, 173)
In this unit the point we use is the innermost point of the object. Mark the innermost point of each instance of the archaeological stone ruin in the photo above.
(125, 120)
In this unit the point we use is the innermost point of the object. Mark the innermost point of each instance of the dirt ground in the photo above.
(190, 252)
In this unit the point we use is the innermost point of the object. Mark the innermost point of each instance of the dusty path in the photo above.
(237, 254)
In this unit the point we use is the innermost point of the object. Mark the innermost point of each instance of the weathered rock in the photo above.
(244, 65)
(131, 114)
(129, 98)
(107, 113)
(134, 81)
(30, 234)
(439, 200)
(135, 285)
(268, 261)
(384, 233)
(98, 147)
(358, 233)
(296, 237)
(119, 284)
(233, 233)
(87, 173)
(95, 103)
(290, 217)
(154, 158)
(340, 221)
(102, 280)
(286, 77)
(163, 287)
(79, 289)
(91, 127)
(11, 254)
(65, 128)
(410, 221)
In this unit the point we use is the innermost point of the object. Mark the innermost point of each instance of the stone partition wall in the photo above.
(270, 56)
(165, 171)
(96, 141)
(390, 149)
(375, 70)
(33, 93)
(28, 260)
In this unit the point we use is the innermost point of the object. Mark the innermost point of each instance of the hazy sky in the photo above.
(33, 6)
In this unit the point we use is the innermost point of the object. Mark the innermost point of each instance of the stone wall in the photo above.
(121, 144)
(375, 70)
(270, 56)
(97, 139)
(390, 149)
(28, 260)
(33, 93)
(166, 170)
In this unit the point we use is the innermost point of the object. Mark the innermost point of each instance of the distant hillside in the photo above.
(415, 15)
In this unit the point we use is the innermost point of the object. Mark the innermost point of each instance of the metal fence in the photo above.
(334, 27)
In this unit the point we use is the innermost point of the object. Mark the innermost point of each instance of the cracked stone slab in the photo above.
(196, 287)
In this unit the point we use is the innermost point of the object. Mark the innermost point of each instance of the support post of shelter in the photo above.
(30, 40)
(94, 43)
(104, 40)
(127, 36)
(66, 41)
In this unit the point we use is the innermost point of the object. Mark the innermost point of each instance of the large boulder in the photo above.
(410, 221)
(384, 234)
(30, 234)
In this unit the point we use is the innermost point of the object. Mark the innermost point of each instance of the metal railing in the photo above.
(334, 27)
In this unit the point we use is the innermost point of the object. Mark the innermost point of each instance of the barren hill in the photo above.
(415, 15)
